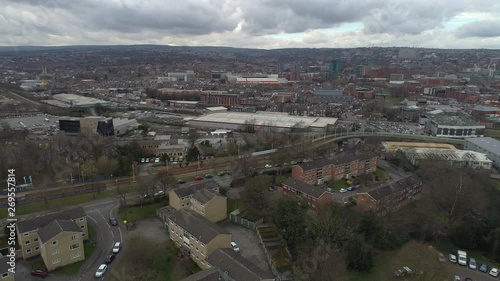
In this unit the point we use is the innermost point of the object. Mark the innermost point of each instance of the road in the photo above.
(19, 97)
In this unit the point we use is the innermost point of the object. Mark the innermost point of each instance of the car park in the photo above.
(494, 272)
(484, 268)
(113, 221)
(39, 273)
(109, 259)
(235, 247)
(452, 258)
(117, 247)
(472, 264)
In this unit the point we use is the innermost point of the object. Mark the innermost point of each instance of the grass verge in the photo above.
(137, 212)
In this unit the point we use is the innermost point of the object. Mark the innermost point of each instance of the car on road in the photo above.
(181, 181)
(484, 268)
(39, 272)
(109, 259)
(208, 176)
(452, 258)
(441, 257)
(198, 178)
(494, 272)
(113, 221)
(472, 264)
(159, 193)
(117, 247)
(101, 270)
(235, 247)
(267, 166)
(221, 174)
(343, 190)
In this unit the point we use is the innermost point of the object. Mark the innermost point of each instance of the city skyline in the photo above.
(256, 24)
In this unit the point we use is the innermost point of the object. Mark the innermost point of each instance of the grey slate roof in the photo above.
(35, 223)
(305, 188)
(236, 266)
(52, 229)
(339, 159)
(211, 274)
(388, 189)
(204, 195)
(489, 144)
(196, 225)
(4, 267)
(190, 188)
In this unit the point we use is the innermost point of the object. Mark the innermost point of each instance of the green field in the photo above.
(54, 204)
(494, 133)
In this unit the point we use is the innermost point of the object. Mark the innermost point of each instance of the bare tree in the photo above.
(146, 187)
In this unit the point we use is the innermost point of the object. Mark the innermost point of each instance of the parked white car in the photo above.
(343, 190)
(494, 272)
(235, 247)
(101, 270)
(117, 247)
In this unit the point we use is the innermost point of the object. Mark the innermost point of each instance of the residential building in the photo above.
(488, 146)
(454, 158)
(316, 196)
(453, 126)
(196, 235)
(201, 197)
(390, 196)
(5, 274)
(236, 266)
(341, 166)
(172, 150)
(219, 98)
(28, 230)
(61, 243)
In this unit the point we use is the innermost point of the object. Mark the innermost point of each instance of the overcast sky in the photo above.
(253, 23)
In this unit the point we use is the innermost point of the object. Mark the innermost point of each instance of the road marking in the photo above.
(111, 212)
(113, 235)
(121, 237)
(93, 219)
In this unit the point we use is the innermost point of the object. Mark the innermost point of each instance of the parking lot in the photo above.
(397, 127)
(249, 245)
(465, 272)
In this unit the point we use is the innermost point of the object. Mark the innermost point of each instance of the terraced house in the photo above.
(390, 196)
(53, 235)
(313, 195)
(342, 166)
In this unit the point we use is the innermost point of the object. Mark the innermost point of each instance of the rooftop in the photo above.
(204, 195)
(262, 118)
(393, 187)
(190, 188)
(37, 222)
(236, 266)
(305, 188)
(454, 120)
(196, 225)
(55, 227)
(338, 159)
(393, 146)
(445, 154)
(489, 144)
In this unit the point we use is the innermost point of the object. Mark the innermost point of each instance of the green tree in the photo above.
(255, 194)
(192, 154)
(290, 219)
(369, 226)
(358, 254)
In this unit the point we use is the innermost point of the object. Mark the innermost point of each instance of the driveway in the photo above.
(249, 245)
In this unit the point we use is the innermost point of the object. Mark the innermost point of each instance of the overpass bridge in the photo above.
(318, 142)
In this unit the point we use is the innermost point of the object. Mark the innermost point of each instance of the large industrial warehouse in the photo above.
(261, 119)
(454, 158)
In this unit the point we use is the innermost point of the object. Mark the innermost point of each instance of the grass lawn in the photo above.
(62, 202)
(88, 248)
(136, 212)
(232, 204)
(337, 185)
(492, 133)
(381, 174)
(416, 255)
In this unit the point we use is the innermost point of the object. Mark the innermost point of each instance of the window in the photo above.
(5, 275)
(56, 261)
(27, 242)
(37, 248)
(55, 252)
(83, 234)
(54, 242)
(75, 255)
(26, 234)
(35, 240)
(28, 251)
(82, 226)
(81, 219)
(73, 237)
(74, 246)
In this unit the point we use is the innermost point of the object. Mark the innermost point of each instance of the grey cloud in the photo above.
(485, 28)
